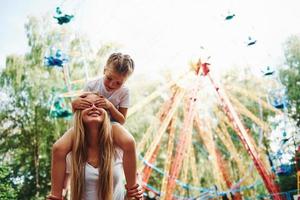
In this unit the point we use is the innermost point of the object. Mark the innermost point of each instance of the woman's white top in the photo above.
(91, 178)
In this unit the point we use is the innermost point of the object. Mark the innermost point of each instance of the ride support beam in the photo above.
(170, 148)
(185, 132)
(242, 133)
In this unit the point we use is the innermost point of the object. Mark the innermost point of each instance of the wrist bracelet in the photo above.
(127, 188)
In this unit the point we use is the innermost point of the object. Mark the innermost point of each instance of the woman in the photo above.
(95, 165)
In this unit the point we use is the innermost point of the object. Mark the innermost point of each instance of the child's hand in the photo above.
(81, 103)
(102, 102)
(136, 192)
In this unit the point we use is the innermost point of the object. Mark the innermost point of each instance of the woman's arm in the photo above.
(66, 184)
(60, 150)
(123, 139)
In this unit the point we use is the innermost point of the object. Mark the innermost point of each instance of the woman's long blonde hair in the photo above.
(79, 159)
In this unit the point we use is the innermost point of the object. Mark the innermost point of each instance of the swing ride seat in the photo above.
(251, 43)
(64, 19)
(52, 61)
(229, 17)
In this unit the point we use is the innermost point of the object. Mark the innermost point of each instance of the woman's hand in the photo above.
(136, 192)
(52, 197)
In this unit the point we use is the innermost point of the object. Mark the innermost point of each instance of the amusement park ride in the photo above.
(174, 162)
(179, 152)
(182, 158)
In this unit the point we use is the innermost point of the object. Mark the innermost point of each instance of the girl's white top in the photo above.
(119, 98)
(91, 178)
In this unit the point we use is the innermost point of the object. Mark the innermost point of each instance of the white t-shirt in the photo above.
(119, 98)
(91, 178)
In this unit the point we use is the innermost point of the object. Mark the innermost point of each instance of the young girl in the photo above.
(115, 99)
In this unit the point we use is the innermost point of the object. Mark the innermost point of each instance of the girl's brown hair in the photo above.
(120, 63)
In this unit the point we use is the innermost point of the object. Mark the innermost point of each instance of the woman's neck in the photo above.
(92, 136)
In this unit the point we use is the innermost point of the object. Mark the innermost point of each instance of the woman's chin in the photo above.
(93, 121)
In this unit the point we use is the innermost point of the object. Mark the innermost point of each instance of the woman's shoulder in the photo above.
(70, 130)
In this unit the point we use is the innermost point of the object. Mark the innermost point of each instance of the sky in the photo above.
(168, 34)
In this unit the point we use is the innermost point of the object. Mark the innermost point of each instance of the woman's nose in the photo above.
(93, 106)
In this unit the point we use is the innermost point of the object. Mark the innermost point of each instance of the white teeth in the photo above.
(93, 113)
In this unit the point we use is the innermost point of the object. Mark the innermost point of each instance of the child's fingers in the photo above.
(85, 101)
(100, 103)
(86, 104)
(99, 100)
(82, 106)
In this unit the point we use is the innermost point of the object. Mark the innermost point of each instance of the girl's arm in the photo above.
(118, 115)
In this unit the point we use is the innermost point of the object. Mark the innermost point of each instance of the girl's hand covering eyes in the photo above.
(102, 102)
(80, 104)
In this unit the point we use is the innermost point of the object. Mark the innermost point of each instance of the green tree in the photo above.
(290, 76)
(8, 189)
(27, 130)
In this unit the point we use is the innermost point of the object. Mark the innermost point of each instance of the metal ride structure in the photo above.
(267, 176)
(177, 163)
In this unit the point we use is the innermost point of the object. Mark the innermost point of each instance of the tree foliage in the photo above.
(290, 76)
(27, 130)
(8, 190)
